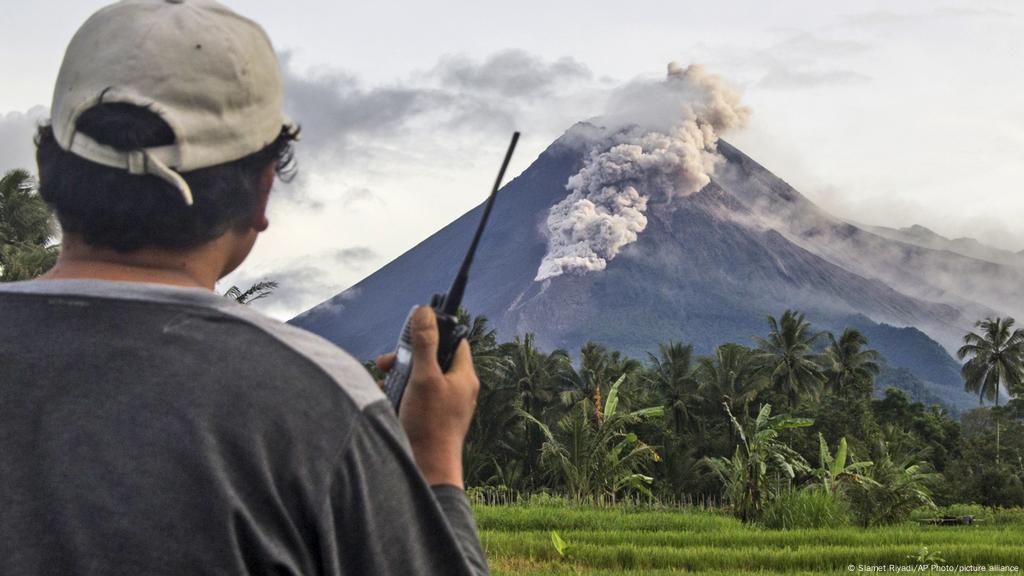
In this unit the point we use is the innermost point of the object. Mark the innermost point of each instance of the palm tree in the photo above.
(996, 360)
(733, 375)
(671, 373)
(26, 229)
(488, 442)
(483, 341)
(252, 294)
(847, 364)
(599, 368)
(898, 485)
(534, 379)
(490, 451)
(670, 377)
(746, 476)
(788, 353)
(537, 377)
(593, 457)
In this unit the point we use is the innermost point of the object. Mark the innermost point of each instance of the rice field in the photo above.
(629, 541)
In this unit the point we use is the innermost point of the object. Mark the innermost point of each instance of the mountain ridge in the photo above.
(965, 245)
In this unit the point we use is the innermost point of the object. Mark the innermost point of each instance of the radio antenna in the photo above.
(453, 299)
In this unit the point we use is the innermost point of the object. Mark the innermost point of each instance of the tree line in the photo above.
(791, 420)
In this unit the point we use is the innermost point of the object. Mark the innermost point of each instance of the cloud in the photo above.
(510, 73)
(809, 47)
(16, 132)
(807, 60)
(354, 257)
(298, 288)
(335, 110)
(344, 122)
(882, 19)
(787, 78)
(306, 280)
(793, 60)
(359, 196)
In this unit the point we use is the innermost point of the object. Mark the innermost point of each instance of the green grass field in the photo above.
(613, 541)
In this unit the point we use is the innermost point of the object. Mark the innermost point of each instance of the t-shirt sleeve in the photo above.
(383, 517)
(455, 504)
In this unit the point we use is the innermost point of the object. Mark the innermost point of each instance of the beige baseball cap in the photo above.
(209, 73)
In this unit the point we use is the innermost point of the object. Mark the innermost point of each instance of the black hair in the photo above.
(111, 208)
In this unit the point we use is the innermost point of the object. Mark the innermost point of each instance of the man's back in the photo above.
(161, 430)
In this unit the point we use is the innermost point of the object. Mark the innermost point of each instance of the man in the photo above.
(149, 426)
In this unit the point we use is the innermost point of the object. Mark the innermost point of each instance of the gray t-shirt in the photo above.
(148, 429)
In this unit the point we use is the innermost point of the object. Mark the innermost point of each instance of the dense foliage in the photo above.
(794, 421)
(27, 232)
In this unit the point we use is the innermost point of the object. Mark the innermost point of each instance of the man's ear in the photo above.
(266, 181)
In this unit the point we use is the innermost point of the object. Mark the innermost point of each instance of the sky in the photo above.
(883, 113)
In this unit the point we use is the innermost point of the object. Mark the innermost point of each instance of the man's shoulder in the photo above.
(224, 323)
(336, 363)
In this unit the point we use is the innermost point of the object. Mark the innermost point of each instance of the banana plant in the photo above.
(833, 471)
(593, 456)
(746, 476)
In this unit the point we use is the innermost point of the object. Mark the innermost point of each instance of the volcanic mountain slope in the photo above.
(707, 269)
(974, 288)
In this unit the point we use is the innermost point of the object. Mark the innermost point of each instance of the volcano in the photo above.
(706, 270)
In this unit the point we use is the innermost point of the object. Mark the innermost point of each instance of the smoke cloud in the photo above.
(609, 197)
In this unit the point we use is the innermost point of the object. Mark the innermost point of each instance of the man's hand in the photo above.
(437, 408)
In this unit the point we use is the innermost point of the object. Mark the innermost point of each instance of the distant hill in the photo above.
(920, 236)
(968, 288)
(707, 269)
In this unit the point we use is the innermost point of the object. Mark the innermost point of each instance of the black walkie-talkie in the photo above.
(446, 307)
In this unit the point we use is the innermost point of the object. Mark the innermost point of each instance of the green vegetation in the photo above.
(790, 433)
(996, 362)
(759, 456)
(833, 473)
(807, 508)
(594, 455)
(630, 540)
(896, 489)
(26, 230)
(788, 356)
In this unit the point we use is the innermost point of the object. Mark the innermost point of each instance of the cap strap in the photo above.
(154, 167)
(138, 162)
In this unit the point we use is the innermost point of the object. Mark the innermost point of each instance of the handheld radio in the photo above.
(445, 306)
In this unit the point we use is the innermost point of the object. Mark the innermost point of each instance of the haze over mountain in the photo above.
(601, 240)
(920, 236)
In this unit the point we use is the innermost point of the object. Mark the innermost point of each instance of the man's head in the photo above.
(167, 129)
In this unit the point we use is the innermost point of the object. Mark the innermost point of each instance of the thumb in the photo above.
(423, 329)
(463, 361)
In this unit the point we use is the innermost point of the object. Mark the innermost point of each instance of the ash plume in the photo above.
(666, 151)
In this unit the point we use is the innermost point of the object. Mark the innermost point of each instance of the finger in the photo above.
(423, 329)
(463, 361)
(385, 362)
